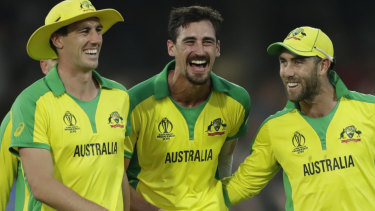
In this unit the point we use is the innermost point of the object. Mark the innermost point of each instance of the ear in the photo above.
(171, 48)
(57, 41)
(43, 66)
(326, 63)
(218, 48)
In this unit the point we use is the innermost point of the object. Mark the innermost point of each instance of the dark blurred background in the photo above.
(135, 50)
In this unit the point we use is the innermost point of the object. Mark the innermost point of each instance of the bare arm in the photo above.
(226, 158)
(138, 203)
(38, 168)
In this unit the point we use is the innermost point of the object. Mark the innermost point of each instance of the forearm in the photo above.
(56, 195)
(226, 158)
(138, 203)
(126, 192)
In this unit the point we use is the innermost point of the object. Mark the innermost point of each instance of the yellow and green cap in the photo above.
(63, 14)
(305, 41)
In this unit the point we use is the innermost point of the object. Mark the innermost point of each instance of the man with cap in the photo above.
(322, 139)
(69, 127)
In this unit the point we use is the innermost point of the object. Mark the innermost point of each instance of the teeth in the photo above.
(292, 84)
(92, 51)
(198, 62)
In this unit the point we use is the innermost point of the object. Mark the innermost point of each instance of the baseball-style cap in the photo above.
(305, 41)
(63, 14)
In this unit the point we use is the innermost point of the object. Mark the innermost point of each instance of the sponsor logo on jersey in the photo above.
(216, 127)
(95, 149)
(19, 129)
(70, 122)
(350, 134)
(298, 142)
(115, 120)
(188, 156)
(326, 165)
(165, 128)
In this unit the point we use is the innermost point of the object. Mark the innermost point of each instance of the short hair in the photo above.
(63, 31)
(183, 16)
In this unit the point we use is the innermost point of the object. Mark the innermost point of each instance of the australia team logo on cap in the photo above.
(87, 6)
(350, 134)
(165, 128)
(216, 127)
(71, 122)
(115, 120)
(296, 34)
(299, 142)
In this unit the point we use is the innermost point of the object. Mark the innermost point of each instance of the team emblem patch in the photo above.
(71, 122)
(87, 6)
(216, 127)
(350, 134)
(115, 120)
(296, 34)
(165, 128)
(299, 142)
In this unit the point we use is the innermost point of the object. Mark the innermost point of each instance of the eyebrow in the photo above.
(194, 38)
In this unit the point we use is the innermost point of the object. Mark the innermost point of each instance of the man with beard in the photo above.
(322, 139)
(71, 154)
(185, 121)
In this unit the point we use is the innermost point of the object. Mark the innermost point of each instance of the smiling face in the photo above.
(300, 76)
(195, 51)
(81, 46)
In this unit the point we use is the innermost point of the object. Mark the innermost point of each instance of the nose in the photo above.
(95, 37)
(286, 69)
(199, 48)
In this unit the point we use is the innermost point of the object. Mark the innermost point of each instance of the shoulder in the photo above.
(233, 90)
(142, 91)
(32, 93)
(367, 98)
(113, 84)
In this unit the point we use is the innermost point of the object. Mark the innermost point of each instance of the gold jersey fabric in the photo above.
(8, 162)
(88, 156)
(335, 171)
(172, 167)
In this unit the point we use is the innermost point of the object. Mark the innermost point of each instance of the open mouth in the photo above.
(292, 84)
(91, 51)
(198, 63)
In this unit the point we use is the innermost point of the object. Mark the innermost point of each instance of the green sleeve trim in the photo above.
(133, 169)
(128, 154)
(141, 92)
(4, 125)
(360, 97)
(28, 145)
(288, 192)
(226, 197)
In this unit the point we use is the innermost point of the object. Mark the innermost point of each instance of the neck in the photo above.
(184, 92)
(79, 84)
(321, 105)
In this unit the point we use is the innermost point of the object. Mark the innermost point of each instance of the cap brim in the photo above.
(275, 49)
(38, 46)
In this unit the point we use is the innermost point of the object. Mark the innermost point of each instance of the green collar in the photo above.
(161, 82)
(341, 89)
(57, 87)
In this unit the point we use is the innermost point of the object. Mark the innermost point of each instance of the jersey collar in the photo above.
(57, 87)
(341, 89)
(161, 82)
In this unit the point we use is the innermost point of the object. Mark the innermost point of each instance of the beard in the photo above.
(310, 88)
(198, 80)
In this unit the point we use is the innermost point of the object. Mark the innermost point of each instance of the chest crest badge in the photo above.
(216, 127)
(115, 120)
(350, 134)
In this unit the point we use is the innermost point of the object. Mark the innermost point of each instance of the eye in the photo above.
(208, 42)
(99, 29)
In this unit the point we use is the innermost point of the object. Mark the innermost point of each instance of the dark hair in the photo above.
(183, 16)
(63, 31)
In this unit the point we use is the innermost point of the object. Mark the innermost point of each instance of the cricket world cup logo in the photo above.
(165, 128)
(70, 122)
(299, 141)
